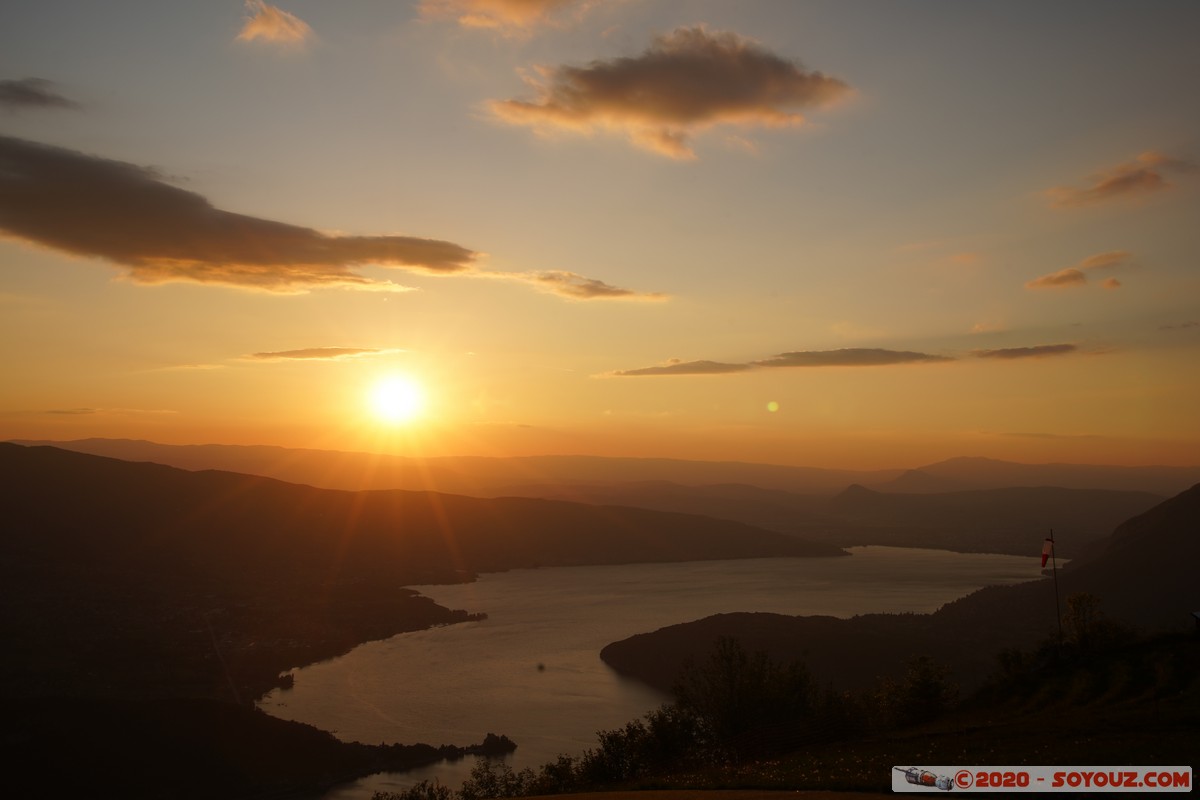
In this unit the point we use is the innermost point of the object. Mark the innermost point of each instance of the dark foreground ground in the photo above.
(722, 794)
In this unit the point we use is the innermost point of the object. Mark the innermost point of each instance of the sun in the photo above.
(396, 399)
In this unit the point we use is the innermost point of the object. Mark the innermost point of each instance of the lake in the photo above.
(532, 669)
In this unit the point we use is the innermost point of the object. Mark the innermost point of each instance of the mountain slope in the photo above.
(476, 476)
(990, 473)
(129, 577)
(1144, 577)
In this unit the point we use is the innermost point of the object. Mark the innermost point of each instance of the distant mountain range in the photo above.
(1010, 520)
(109, 551)
(1144, 576)
(964, 504)
(144, 607)
(492, 477)
(126, 586)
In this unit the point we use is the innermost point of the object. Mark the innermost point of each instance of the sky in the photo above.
(848, 233)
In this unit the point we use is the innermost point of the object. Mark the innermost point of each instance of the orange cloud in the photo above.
(319, 354)
(1144, 175)
(1074, 276)
(90, 206)
(677, 367)
(1058, 280)
(1107, 260)
(689, 80)
(579, 287)
(847, 357)
(273, 25)
(505, 14)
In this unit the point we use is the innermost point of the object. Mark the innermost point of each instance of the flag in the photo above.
(1047, 551)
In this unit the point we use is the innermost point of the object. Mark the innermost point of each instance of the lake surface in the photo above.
(532, 669)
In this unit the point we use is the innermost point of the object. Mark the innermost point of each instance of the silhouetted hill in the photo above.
(476, 476)
(142, 607)
(786, 499)
(773, 509)
(989, 473)
(490, 477)
(919, 482)
(184, 749)
(1145, 577)
(1010, 520)
(110, 548)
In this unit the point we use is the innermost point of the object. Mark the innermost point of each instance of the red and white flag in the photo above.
(1047, 550)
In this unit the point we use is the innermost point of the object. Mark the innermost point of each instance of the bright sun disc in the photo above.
(396, 399)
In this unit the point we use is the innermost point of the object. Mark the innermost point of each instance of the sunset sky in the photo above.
(845, 233)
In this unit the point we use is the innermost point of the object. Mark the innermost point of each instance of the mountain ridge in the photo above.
(1143, 578)
(491, 476)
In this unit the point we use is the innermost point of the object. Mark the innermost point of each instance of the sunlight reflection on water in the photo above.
(452, 685)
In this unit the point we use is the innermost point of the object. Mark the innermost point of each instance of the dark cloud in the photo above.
(1144, 175)
(319, 353)
(74, 411)
(687, 81)
(849, 357)
(31, 93)
(677, 367)
(1179, 326)
(1038, 351)
(124, 213)
(273, 25)
(579, 287)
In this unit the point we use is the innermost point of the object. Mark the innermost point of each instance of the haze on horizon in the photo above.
(846, 234)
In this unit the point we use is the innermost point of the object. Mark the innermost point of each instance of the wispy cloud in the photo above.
(189, 367)
(273, 25)
(1057, 280)
(321, 354)
(1145, 175)
(1106, 260)
(1179, 326)
(1037, 351)
(159, 233)
(508, 15)
(73, 412)
(677, 367)
(1076, 276)
(31, 93)
(849, 357)
(576, 287)
(1035, 435)
(687, 81)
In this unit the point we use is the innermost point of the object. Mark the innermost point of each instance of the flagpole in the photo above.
(1054, 569)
